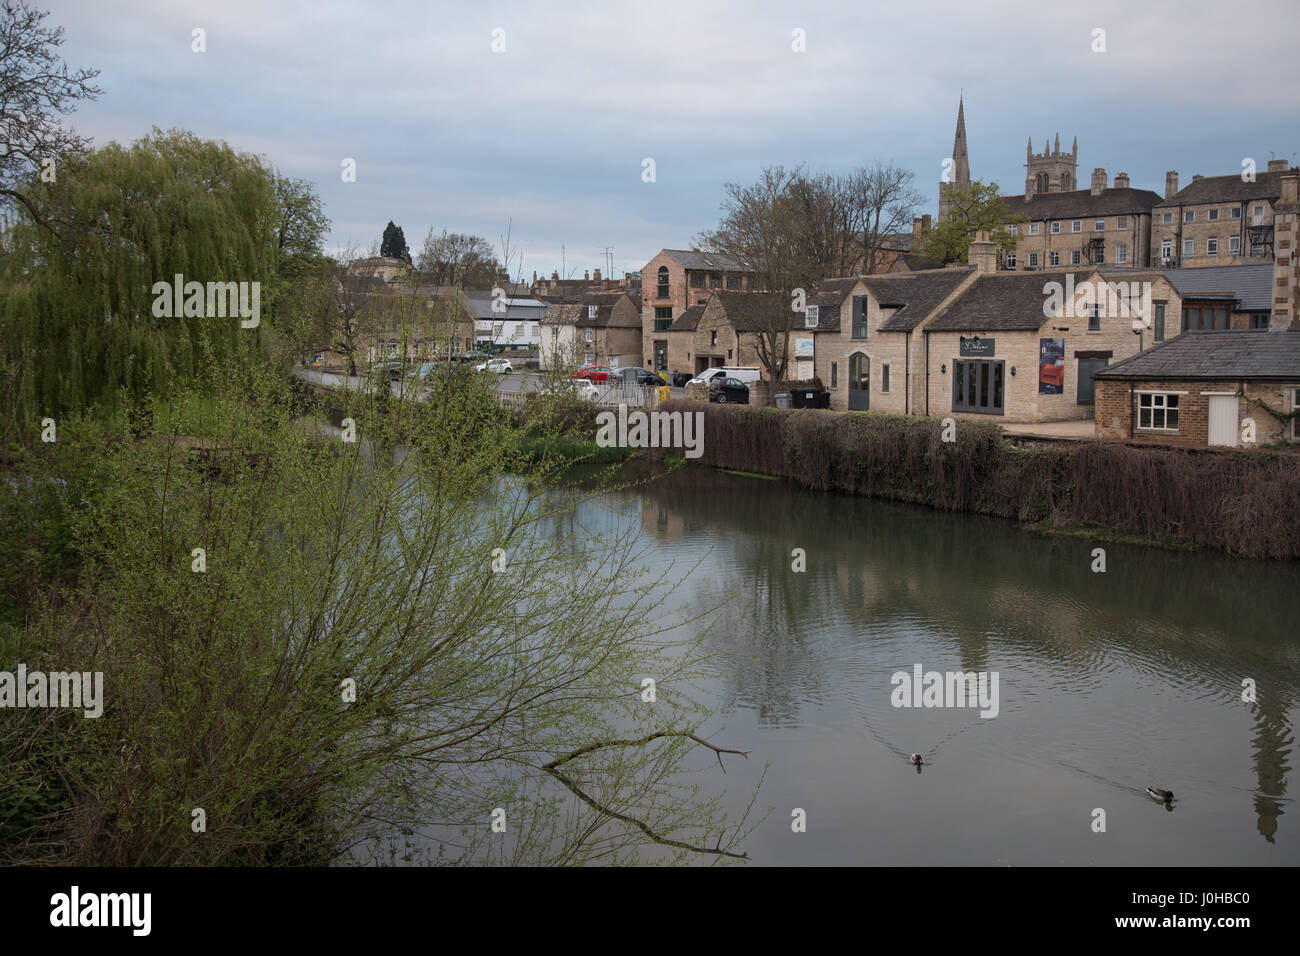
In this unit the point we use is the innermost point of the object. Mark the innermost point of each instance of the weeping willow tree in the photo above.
(77, 313)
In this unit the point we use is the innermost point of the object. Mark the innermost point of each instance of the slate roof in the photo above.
(1082, 204)
(1227, 189)
(919, 294)
(1000, 302)
(1258, 355)
(688, 320)
(1251, 285)
(691, 259)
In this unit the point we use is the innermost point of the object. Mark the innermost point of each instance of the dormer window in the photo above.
(591, 311)
(811, 316)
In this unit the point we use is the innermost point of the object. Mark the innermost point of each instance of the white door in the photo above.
(1223, 420)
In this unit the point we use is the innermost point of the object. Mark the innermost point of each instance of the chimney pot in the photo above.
(1098, 181)
(1277, 166)
(1121, 180)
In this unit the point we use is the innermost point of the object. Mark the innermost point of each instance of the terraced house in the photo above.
(1217, 220)
(1082, 228)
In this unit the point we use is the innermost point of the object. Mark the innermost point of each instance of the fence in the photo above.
(605, 394)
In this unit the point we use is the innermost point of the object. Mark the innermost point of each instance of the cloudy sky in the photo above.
(551, 133)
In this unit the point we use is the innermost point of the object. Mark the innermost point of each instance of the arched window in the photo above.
(1067, 183)
(859, 381)
(1041, 180)
(662, 291)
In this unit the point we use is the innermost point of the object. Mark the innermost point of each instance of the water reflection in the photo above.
(1111, 682)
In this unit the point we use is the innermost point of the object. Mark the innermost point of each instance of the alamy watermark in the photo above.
(1122, 299)
(950, 689)
(639, 429)
(24, 688)
(220, 300)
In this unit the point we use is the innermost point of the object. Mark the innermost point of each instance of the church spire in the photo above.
(960, 162)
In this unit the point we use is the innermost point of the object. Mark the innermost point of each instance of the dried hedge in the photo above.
(1245, 503)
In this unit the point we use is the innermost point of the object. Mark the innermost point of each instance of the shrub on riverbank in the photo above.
(320, 651)
(1242, 502)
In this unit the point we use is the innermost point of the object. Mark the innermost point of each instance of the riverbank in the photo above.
(1244, 503)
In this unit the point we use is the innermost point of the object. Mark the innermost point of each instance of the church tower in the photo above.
(1053, 171)
(959, 169)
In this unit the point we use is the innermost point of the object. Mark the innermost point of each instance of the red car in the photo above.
(595, 373)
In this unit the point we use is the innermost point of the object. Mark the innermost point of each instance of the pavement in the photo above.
(1075, 428)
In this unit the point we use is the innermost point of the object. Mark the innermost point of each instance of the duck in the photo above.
(916, 759)
(1164, 796)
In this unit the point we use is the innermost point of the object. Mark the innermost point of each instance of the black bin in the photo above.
(809, 398)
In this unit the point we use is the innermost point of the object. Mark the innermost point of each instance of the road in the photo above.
(518, 381)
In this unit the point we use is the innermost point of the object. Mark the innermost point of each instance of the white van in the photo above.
(746, 373)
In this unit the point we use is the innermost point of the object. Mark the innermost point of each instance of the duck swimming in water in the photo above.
(916, 759)
(1164, 796)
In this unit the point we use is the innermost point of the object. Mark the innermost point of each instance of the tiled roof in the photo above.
(1252, 285)
(1239, 354)
(1226, 189)
(688, 320)
(693, 259)
(1082, 204)
(1010, 301)
(919, 294)
(752, 311)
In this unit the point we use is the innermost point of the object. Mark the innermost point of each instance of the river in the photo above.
(1107, 682)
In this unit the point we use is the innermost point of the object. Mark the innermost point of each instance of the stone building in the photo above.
(1081, 228)
(1216, 220)
(603, 330)
(673, 281)
(728, 329)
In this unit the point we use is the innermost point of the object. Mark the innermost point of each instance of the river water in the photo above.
(1107, 682)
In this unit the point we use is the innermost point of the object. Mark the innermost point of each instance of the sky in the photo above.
(548, 134)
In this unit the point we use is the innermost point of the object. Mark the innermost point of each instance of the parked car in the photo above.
(596, 373)
(727, 389)
(585, 388)
(640, 376)
(707, 376)
(497, 366)
(678, 379)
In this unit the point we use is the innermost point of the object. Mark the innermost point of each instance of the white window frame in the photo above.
(1236, 212)
(1166, 249)
(1076, 257)
(1258, 210)
(1099, 225)
(1033, 260)
(1076, 225)
(1054, 257)
(1121, 252)
(1162, 407)
(1012, 228)
(1212, 246)
(1189, 215)
(1234, 245)
(1189, 247)
(1121, 222)
(1033, 228)
(589, 335)
(1009, 260)
(1056, 228)
(1167, 218)
(1213, 215)
(811, 316)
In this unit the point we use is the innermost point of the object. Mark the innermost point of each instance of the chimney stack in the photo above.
(1171, 184)
(1121, 180)
(1277, 166)
(916, 225)
(596, 276)
(983, 253)
(586, 275)
(1197, 177)
(926, 220)
(1098, 181)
